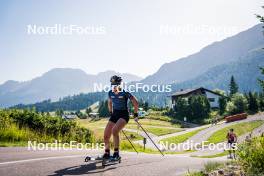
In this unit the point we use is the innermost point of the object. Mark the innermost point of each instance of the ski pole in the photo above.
(129, 141)
(150, 138)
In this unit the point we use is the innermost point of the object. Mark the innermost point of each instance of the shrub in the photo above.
(251, 156)
(159, 115)
(23, 125)
(238, 104)
(230, 107)
(5, 120)
(212, 165)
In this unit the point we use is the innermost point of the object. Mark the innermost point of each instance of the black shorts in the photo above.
(117, 114)
(231, 144)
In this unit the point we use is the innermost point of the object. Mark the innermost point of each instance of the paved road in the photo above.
(20, 161)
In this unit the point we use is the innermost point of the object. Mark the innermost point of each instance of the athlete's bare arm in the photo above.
(135, 104)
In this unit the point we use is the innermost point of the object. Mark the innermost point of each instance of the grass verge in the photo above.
(148, 124)
(161, 131)
(126, 146)
(181, 138)
(212, 156)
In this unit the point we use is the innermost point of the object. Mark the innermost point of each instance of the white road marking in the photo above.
(39, 159)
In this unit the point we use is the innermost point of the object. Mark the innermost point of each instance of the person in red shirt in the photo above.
(231, 140)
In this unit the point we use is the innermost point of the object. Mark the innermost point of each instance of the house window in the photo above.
(211, 99)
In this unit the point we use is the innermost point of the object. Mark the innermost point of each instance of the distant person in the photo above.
(217, 119)
(231, 140)
(248, 138)
(214, 120)
(119, 115)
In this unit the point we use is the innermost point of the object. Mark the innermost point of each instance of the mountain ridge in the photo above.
(54, 84)
(217, 53)
(245, 70)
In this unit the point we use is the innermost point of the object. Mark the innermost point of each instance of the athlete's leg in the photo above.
(120, 124)
(230, 149)
(107, 135)
(233, 151)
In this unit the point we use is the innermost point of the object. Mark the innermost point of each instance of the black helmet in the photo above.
(115, 80)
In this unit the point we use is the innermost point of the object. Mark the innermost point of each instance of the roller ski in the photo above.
(105, 161)
(111, 160)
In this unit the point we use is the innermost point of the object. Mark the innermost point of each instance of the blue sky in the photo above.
(132, 43)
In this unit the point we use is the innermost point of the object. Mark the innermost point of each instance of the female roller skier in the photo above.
(119, 115)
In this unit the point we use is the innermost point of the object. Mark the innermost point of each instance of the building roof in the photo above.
(93, 113)
(189, 91)
(69, 116)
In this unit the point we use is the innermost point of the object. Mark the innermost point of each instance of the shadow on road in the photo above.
(90, 168)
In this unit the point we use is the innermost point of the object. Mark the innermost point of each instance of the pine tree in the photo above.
(103, 109)
(261, 82)
(222, 104)
(261, 101)
(233, 87)
(252, 102)
(88, 110)
(146, 106)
